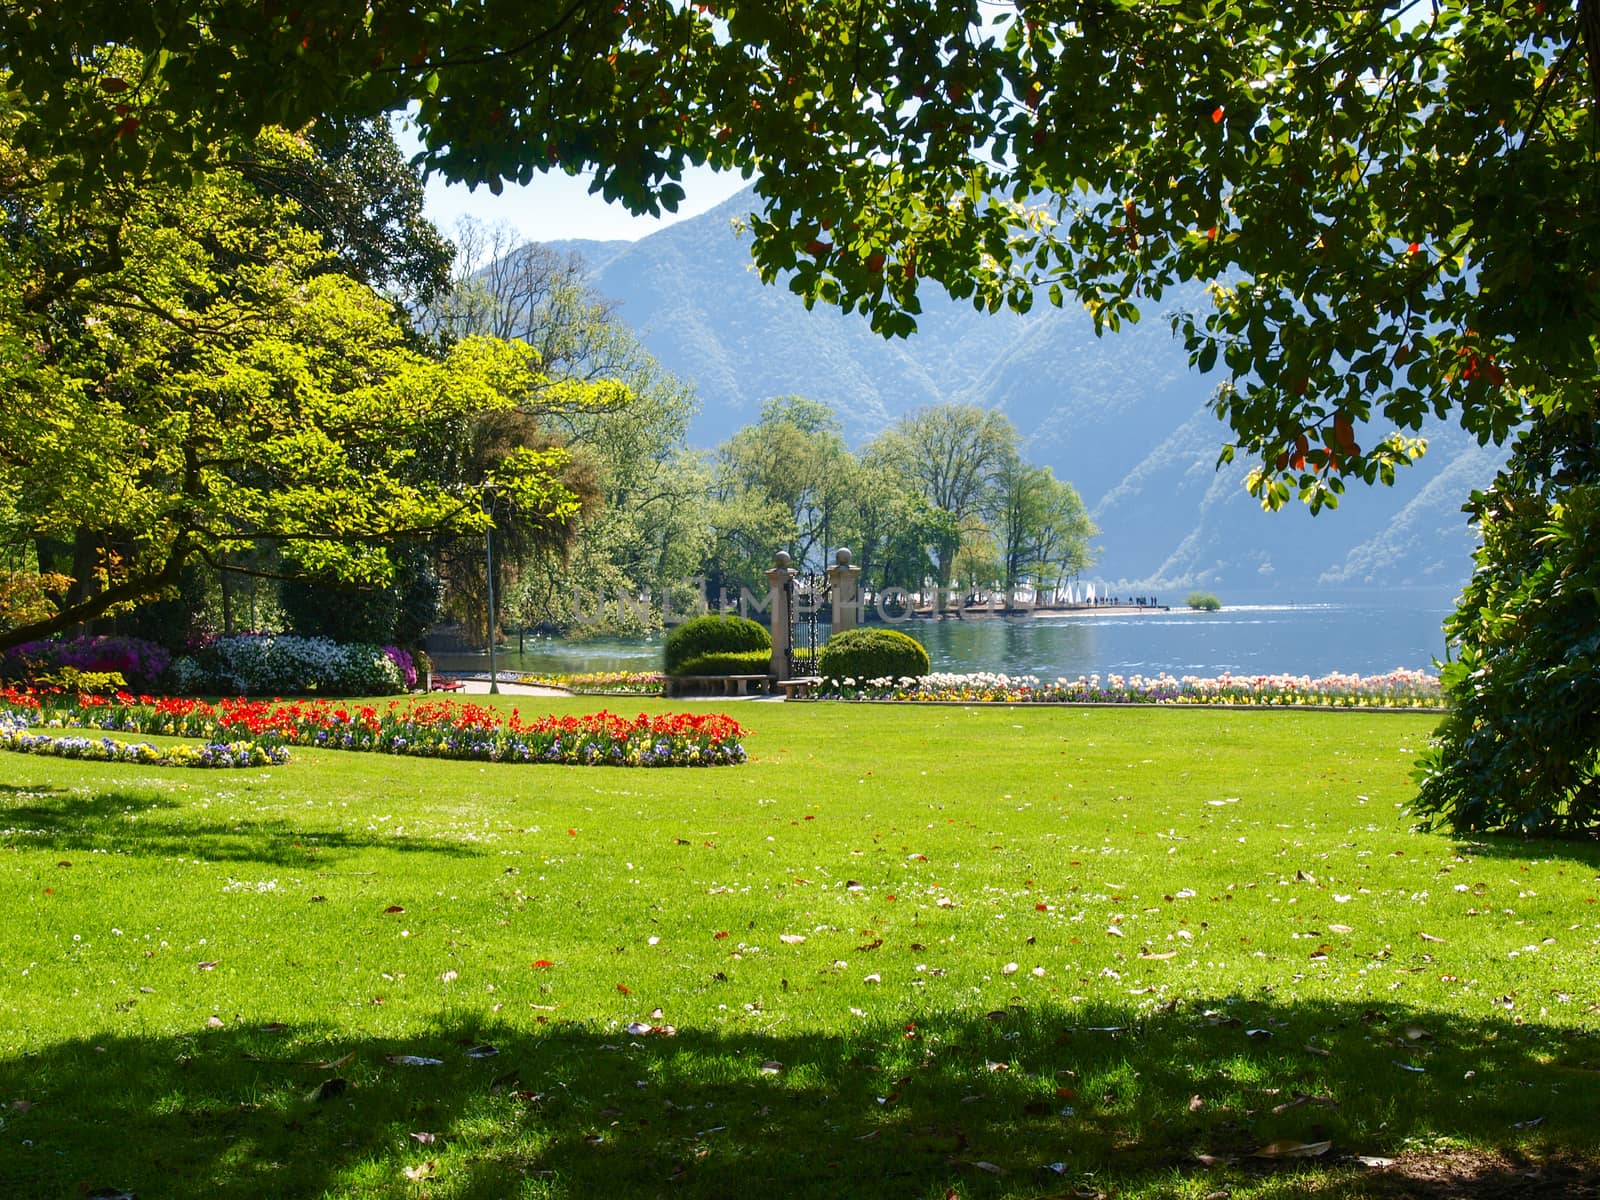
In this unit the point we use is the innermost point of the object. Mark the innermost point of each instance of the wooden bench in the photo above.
(800, 688)
(716, 685)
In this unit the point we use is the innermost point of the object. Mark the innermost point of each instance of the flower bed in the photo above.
(605, 683)
(428, 728)
(15, 736)
(1397, 689)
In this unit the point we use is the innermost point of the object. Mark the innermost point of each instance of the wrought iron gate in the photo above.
(808, 595)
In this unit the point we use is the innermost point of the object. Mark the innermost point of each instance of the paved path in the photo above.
(480, 687)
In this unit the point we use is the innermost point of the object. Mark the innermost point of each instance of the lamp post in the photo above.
(488, 556)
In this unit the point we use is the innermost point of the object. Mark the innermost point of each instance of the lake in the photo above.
(1366, 635)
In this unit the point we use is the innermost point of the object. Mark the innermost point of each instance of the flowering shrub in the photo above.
(14, 735)
(1397, 689)
(407, 665)
(285, 665)
(140, 663)
(630, 683)
(427, 728)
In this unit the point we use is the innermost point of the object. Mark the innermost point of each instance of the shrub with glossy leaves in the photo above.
(863, 654)
(699, 637)
(1520, 748)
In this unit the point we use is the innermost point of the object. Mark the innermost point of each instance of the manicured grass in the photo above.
(202, 974)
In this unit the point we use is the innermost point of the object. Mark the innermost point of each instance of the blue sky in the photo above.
(558, 206)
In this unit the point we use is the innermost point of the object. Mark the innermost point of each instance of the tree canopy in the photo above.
(1392, 202)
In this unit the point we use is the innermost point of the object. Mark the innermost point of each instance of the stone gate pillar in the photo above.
(778, 579)
(844, 585)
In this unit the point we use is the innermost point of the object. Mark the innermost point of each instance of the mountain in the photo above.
(1121, 416)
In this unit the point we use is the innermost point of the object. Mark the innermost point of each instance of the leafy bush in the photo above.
(713, 634)
(141, 664)
(1520, 748)
(285, 665)
(863, 654)
(727, 662)
(1205, 601)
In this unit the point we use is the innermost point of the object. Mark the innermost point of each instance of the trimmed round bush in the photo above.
(700, 637)
(727, 662)
(863, 654)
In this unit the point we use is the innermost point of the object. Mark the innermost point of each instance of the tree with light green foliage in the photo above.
(949, 455)
(193, 378)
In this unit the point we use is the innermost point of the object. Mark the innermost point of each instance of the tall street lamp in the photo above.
(488, 555)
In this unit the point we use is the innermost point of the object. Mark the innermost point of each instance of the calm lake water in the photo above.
(1362, 635)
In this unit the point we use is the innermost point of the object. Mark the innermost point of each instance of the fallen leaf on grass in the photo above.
(271, 1027)
(213, 1022)
(1428, 937)
(1340, 929)
(1292, 1149)
(207, 966)
(541, 964)
(791, 939)
(772, 1068)
(422, 1171)
(1409, 1067)
(1158, 957)
(483, 1051)
(394, 908)
(1416, 1033)
(1196, 1103)
(328, 1089)
(21, 1105)
(427, 1139)
(412, 1060)
(644, 1029)
(333, 1064)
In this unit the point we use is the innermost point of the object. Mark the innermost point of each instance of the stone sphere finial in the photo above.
(781, 559)
(842, 556)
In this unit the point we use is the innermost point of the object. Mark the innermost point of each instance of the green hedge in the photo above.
(863, 654)
(727, 662)
(700, 637)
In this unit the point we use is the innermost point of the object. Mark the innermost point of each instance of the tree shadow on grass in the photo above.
(146, 823)
(1583, 853)
(1209, 1096)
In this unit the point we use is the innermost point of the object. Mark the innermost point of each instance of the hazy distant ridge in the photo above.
(1121, 416)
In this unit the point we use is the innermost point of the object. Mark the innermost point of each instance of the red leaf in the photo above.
(394, 908)
(624, 989)
(1217, 114)
(719, 935)
(542, 964)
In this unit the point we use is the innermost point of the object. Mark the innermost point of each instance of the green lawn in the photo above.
(1226, 939)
